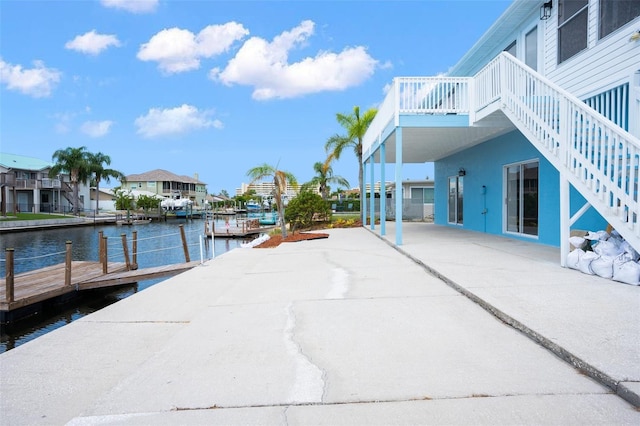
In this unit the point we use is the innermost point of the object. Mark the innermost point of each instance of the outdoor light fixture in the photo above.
(462, 172)
(545, 10)
(635, 36)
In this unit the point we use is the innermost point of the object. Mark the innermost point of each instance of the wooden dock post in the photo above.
(105, 258)
(67, 264)
(125, 249)
(100, 254)
(134, 247)
(9, 274)
(184, 244)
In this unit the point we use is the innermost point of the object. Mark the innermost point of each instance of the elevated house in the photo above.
(25, 186)
(170, 185)
(533, 133)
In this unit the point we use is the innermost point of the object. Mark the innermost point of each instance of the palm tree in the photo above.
(96, 164)
(280, 181)
(356, 126)
(72, 161)
(324, 176)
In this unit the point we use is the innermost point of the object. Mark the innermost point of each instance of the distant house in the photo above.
(25, 186)
(534, 132)
(170, 185)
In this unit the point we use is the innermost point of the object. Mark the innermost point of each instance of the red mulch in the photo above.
(275, 240)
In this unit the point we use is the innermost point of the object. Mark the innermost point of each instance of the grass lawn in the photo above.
(32, 216)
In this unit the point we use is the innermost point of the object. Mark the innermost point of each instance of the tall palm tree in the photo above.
(356, 126)
(72, 161)
(280, 181)
(324, 176)
(97, 169)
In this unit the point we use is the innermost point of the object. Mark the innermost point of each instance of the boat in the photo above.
(129, 222)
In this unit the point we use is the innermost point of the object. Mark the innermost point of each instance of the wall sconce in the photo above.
(462, 172)
(635, 36)
(545, 10)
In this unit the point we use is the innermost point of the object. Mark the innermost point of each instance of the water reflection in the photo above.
(158, 244)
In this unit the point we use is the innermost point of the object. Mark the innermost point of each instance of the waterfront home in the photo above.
(169, 185)
(25, 186)
(533, 133)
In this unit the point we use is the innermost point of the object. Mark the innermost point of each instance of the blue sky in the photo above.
(215, 87)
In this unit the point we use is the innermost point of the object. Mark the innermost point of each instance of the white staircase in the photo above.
(596, 156)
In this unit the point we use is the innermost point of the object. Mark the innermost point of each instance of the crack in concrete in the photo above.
(309, 380)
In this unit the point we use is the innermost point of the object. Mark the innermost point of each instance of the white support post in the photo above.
(363, 195)
(383, 191)
(565, 219)
(399, 186)
(372, 195)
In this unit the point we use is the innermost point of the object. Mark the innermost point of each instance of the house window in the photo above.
(521, 181)
(531, 48)
(616, 13)
(456, 186)
(421, 195)
(572, 27)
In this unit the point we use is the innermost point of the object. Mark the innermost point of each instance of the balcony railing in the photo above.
(420, 96)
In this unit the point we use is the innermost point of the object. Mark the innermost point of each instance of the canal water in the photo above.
(159, 243)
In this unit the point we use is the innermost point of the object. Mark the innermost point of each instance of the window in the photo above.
(421, 195)
(616, 13)
(521, 182)
(572, 27)
(456, 186)
(512, 49)
(531, 48)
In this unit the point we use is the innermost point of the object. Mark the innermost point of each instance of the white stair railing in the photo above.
(600, 159)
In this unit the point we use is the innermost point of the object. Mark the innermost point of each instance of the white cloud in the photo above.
(37, 82)
(177, 50)
(92, 43)
(134, 6)
(96, 129)
(265, 66)
(182, 119)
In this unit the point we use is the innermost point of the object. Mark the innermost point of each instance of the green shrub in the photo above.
(306, 209)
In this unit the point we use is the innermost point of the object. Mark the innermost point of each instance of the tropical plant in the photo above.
(356, 127)
(280, 181)
(96, 163)
(124, 199)
(306, 206)
(147, 202)
(72, 161)
(324, 176)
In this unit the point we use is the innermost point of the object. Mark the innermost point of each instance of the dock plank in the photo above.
(49, 282)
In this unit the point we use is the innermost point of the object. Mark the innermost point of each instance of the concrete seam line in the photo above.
(591, 371)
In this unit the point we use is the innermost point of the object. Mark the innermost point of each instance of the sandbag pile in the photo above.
(606, 255)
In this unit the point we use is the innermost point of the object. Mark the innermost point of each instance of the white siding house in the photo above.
(533, 133)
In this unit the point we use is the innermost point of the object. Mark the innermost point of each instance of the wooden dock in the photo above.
(244, 228)
(48, 283)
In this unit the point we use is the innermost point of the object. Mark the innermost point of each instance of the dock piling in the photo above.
(184, 244)
(9, 274)
(67, 264)
(134, 247)
(125, 250)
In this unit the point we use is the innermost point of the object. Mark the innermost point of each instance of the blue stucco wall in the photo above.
(484, 166)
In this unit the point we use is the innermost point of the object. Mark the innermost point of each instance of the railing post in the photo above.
(100, 254)
(134, 247)
(184, 245)
(8, 273)
(67, 265)
(105, 257)
(125, 250)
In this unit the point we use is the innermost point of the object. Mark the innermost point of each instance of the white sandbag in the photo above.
(626, 247)
(603, 266)
(577, 242)
(584, 264)
(597, 236)
(608, 248)
(626, 270)
(573, 258)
